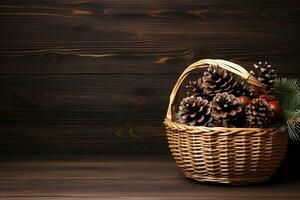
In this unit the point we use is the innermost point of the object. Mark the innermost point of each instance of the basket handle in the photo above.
(232, 67)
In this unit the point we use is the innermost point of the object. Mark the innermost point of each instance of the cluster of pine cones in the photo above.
(219, 99)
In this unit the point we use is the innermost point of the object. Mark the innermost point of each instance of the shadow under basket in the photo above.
(236, 156)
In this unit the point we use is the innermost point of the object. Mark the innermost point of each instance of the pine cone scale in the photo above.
(259, 114)
(225, 107)
(217, 80)
(194, 111)
(265, 73)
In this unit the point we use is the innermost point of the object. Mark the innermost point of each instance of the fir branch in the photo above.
(287, 91)
(289, 85)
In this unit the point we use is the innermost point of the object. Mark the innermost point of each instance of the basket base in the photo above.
(227, 180)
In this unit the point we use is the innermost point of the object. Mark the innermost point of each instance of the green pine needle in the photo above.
(287, 91)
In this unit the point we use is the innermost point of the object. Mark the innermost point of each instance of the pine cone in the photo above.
(194, 111)
(225, 108)
(243, 89)
(259, 114)
(195, 88)
(217, 80)
(265, 73)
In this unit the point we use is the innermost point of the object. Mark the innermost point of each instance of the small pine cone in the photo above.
(243, 89)
(265, 73)
(217, 80)
(195, 88)
(259, 114)
(225, 108)
(194, 111)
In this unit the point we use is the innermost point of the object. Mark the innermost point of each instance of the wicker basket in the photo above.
(234, 156)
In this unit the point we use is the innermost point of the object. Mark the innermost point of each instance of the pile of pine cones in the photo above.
(219, 99)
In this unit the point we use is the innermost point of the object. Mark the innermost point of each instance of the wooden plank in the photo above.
(144, 36)
(117, 178)
(146, 198)
(138, 198)
(81, 132)
(284, 59)
(86, 92)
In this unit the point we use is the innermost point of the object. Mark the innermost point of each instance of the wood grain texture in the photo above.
(144, 36)
(85, 92)
(66, 62)
(120, 177)
(77, 132)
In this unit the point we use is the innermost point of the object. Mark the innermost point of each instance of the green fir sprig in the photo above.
(287, 91)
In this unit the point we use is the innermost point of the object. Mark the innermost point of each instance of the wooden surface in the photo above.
(122, 177)
(94, 76)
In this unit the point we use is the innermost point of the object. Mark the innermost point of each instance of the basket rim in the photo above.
(167, 121)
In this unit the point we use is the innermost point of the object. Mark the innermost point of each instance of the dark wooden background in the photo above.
(92, 76)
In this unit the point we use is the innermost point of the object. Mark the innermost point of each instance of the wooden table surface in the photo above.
(120, 177)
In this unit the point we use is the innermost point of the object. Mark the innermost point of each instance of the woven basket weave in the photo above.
(234, 156)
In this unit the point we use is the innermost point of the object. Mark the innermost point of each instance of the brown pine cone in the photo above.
(225, 108)
(265, 73)
(217, 80)
(259, 114)
(243, 89)
(194, 111)
(195, 88)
